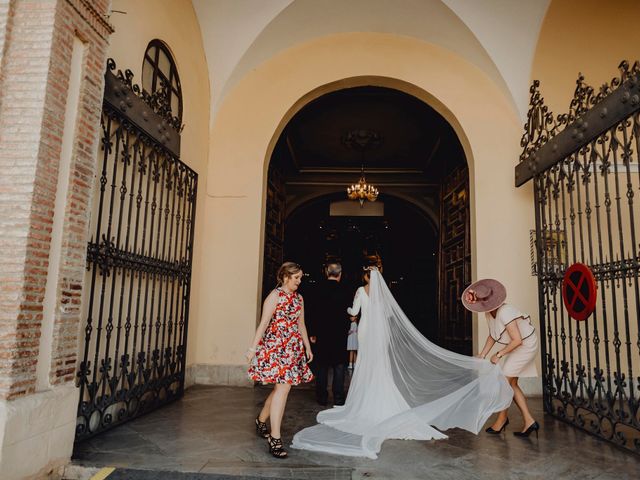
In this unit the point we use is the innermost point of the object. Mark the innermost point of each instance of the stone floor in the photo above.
(211, 431)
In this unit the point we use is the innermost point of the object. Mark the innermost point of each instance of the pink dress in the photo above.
(520, 362)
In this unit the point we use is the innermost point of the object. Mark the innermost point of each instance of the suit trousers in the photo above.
(337, 387)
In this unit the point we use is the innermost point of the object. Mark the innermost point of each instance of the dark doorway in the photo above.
(404, 238)
(422, 234)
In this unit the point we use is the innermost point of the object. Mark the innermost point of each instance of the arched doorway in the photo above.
(419, 224)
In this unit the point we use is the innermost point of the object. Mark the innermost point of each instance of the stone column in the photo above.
(52, 59)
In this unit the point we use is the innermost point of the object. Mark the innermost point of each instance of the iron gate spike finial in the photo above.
(542, 125)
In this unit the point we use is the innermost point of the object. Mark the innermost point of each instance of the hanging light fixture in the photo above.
(362, 190)
(362, 140)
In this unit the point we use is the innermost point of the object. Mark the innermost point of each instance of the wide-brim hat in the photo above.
(489, 294)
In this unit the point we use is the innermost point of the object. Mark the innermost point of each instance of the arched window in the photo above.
(158, 67)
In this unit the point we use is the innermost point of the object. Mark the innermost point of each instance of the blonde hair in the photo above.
(286, 270)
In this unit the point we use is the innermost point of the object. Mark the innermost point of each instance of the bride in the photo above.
(403, 386)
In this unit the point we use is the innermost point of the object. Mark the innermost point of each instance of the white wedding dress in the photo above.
(403, 386)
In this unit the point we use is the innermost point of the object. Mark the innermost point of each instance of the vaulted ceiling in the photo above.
(497, 36)
(412, 143)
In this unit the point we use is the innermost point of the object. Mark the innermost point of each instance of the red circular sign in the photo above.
(579, 291)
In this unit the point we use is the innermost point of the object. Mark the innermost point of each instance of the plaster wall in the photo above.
(254, 32)
(585, 36)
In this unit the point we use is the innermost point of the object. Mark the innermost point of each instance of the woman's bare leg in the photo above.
(521, 402)
(277, 404)
(500, 420)
(266, 409)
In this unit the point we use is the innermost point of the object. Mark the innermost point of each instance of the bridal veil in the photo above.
(404, 387)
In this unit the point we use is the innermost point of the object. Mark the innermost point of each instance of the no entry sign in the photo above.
(579, 291)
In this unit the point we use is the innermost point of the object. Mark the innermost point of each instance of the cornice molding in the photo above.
(93, 17)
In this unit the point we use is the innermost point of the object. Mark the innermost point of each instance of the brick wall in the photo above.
(38, 41)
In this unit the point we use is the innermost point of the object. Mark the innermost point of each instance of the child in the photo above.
(352, 343)
(352, 339)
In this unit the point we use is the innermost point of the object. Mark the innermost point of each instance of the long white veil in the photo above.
(403, 386)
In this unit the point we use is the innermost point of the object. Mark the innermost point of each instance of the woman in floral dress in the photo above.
(280, 352)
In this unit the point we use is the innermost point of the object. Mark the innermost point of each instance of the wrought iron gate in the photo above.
(138, 261)
(585, 169)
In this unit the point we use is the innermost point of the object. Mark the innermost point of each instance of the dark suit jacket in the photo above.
(327, 320)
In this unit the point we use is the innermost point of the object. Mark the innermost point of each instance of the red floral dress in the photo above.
(280, 356)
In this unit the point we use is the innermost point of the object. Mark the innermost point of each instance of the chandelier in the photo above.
(362, 190)
(362, 140)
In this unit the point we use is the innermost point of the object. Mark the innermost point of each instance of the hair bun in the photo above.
(373, 261)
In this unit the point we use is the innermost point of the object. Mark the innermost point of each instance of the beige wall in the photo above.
(251, 118)
(173, 22)
(241, 35)
(588, 36)
(229, 29)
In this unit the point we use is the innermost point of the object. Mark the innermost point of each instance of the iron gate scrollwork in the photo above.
(585, 166)
(138, 261)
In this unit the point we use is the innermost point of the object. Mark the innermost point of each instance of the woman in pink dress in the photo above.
(280, 352)
(513, 331)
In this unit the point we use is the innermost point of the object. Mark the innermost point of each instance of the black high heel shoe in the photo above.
(261, 428)
(496, 432)
(276, 448)
(534, 427)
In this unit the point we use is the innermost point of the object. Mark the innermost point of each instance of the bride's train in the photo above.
(404, 387)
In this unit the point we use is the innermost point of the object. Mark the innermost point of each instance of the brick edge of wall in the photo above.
(36, 48)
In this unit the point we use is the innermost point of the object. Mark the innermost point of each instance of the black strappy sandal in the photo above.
(261, 429)
(275, 447)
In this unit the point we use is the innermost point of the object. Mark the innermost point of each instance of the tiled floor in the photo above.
(211, 431)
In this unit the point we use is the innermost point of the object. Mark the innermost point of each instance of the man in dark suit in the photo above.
(328, 330)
